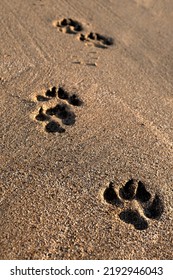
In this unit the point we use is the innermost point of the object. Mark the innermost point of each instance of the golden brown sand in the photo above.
(57, 199)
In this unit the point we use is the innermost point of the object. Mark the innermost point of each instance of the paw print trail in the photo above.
(74, 27)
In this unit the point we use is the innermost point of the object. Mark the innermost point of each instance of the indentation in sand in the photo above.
(55, 109)
(139, 207)
(74, 27)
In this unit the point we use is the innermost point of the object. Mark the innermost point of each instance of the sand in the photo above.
(90, 175)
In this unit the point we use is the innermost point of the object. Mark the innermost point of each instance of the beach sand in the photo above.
(86, 129)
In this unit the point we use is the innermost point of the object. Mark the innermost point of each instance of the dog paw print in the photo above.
(70, 26)
(98, 40)
(58, 111)
(139, 206)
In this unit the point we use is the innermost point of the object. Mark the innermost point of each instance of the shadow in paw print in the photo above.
(128, 191)
(62, 94)
(105, 40)
(51, 92)
(142, 194)
(134, 218)
(41, 116)
(111, 197)
(75, 100)
(72, 99)
(155, 209)
(62, 112)
(42, 98)
(82, 37)
(70, 26)
(53, 127)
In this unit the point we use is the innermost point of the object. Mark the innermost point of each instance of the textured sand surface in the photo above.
(53, 203)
